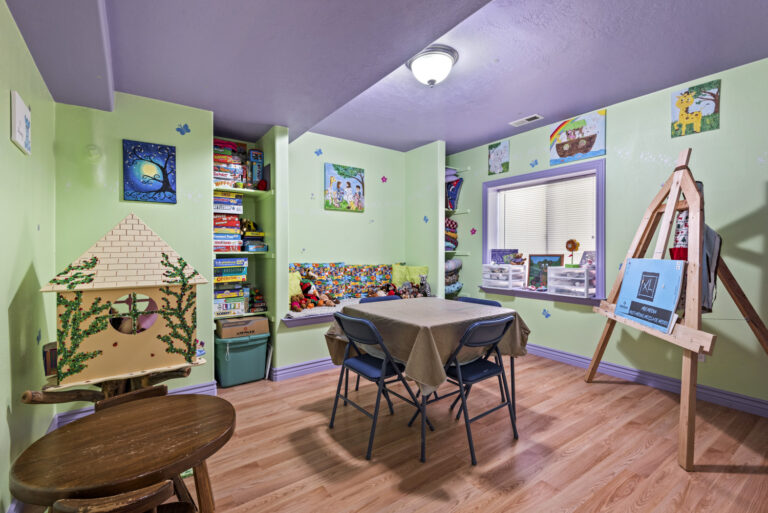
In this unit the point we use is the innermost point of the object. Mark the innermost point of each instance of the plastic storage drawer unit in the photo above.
(240, 360)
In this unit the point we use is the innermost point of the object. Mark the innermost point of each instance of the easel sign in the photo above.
(686, 334)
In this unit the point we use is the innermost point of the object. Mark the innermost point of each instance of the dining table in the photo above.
(422, 333)
(124, 448)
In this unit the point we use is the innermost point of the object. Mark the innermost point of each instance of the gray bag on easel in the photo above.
(710, 255)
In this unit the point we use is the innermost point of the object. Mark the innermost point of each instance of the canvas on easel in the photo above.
(687, 333)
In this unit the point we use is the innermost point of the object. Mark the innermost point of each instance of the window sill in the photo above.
(307, 320)
(531, 294)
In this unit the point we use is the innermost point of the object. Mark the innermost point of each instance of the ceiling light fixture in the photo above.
(433, 64)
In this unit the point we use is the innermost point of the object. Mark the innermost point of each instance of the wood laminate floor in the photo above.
(607, 446)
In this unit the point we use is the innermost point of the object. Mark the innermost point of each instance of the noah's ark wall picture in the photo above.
(580, 137)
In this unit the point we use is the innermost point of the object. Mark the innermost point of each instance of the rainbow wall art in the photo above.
(577, 138)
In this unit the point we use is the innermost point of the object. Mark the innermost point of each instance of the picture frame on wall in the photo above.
(577, 138)
(498, 157)
(149, 172)
(538, 265)
(696, 109)
(344, 189)
(21, 123)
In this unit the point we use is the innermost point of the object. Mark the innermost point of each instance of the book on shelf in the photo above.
(226, 194)
(227, 209)
(228, 248)
(228, 312)
(233, 300)
(227, 201)
(234, 237)
(227, 169)
(226, 221)
(228, 293)
(227, 159)
(227, 279)
(219, 182)
(229, 270)
(229, 230)
(230, 262)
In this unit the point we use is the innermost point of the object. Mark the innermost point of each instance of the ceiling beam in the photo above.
(69, 41)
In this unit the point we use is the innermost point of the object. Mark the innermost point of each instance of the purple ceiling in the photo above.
(254, 63)
(557, 58)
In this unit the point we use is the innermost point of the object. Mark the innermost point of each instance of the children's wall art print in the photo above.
(344, 188)
(577, 138)
(149, 172)
(537, 269)
(21, 123)
(498, 157)
(696, 109)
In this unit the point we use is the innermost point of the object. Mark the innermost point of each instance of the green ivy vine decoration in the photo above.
(183, 302)
(70, 361)
(78, 277)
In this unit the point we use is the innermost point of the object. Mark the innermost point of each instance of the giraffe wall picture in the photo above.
(696, 109)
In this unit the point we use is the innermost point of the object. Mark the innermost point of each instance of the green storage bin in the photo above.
(240, 360)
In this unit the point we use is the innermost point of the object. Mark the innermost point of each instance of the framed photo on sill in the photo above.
(538, 265)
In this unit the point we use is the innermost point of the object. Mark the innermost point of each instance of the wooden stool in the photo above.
(149, 499)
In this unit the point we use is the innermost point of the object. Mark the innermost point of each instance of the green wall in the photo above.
(391, 229)
(733, 164)
(89, 191)
(374, 236)
(26, 253)
(425, 211)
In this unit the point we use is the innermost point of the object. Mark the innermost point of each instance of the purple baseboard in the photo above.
(301, 369)
(713, 395)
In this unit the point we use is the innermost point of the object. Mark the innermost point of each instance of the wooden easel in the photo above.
(687, 334)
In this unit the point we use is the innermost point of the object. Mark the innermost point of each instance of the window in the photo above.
(537, 213)
(133, 313)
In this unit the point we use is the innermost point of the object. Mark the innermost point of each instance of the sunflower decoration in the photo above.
(572, 245)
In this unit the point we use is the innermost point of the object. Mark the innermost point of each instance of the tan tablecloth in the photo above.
(423, 332)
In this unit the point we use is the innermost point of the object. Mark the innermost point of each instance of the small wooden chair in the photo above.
(149, 499)
(180, 489)
(135, 395)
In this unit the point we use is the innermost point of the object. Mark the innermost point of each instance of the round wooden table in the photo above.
(124, 448)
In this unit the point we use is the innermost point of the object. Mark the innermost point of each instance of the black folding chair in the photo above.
(369, 299)
(378, 370)
(490, 302)
(480, 334)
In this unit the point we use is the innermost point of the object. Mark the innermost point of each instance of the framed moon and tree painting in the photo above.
(149, 172)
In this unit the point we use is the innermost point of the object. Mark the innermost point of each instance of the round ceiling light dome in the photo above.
(433, 64)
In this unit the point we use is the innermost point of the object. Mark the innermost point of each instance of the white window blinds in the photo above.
(541, 218)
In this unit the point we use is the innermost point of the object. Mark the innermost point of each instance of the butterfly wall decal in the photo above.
(546, 314)
(534, 162)
(183, 129)
(318, 152)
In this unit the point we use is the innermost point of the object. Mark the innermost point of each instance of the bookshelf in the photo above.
(257, 206)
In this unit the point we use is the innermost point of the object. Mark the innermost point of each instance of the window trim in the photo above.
(597, 168)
